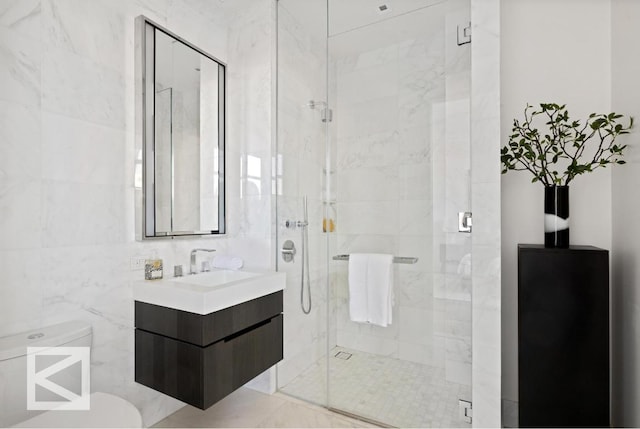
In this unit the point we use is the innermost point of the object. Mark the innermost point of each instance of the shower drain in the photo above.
(343, 355)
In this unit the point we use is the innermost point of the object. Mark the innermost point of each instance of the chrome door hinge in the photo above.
(326, 114)
(464, 34)
(464, 221)
(466, 410)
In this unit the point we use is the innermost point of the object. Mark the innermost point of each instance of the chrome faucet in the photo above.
(192, 269)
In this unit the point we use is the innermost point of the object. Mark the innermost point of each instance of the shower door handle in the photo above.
(464, 221)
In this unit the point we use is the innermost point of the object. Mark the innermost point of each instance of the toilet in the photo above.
(105, 410)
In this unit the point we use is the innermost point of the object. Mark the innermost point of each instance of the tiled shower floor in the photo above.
(387, 390)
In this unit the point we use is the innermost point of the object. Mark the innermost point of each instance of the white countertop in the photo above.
(205, 293)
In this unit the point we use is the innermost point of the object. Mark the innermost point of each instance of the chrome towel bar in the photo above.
(396, 259)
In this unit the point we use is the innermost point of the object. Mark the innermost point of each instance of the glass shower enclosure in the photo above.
(373, 124)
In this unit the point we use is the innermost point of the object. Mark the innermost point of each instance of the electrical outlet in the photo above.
(137, 264)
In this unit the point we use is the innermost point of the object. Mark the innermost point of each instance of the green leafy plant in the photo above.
(562, 144)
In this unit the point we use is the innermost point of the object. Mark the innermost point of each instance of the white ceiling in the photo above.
(406, 26)
(346, 15)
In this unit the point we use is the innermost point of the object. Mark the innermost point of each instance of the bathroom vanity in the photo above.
(210, 338)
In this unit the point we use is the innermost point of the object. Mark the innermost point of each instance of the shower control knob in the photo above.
(288, 251)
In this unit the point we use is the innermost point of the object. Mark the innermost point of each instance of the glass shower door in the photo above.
(399, 174)
(300, 171)
(373, 126)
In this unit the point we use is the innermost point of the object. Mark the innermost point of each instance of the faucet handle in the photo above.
(192, 262)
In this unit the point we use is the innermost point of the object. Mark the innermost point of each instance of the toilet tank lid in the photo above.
(49, 336)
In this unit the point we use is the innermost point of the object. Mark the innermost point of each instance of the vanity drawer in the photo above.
(201, 376)
(203, 330)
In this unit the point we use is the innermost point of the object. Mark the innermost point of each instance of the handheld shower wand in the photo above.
(306, 309)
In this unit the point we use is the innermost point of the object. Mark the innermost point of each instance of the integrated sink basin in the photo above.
(205, 293)
(217, 278)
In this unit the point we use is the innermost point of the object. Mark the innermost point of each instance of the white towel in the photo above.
(371, 288)
(227, 262)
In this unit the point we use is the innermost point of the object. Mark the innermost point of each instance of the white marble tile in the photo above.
(369, 344)
(395, 392)
(246, 217)
(20, 68)
(458, 310)
(414, 289)
(485, 131)
(415, 217)
(459, 349)
(368, 184)
(81, 152)
(375, 116)
(75, 86)
(368, 217)
(363, 243)
(81, 214)
(98, 282)
(22, 16)
(486, 226)
(415, 179)
(366, 85)
(292, 366)
(201, 23)
(458, 372)
(370, 150)
(451, 286)
(378, 59)
(416, 325)
(20, 144)
(428, 354)
(417, 246)
(20, 213)
(20, 291)
(88, 29)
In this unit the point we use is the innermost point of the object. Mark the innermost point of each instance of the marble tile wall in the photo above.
(402, 175)
(485, 191)
(67, 138)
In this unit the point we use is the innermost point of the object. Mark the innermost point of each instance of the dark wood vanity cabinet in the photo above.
(200, 359)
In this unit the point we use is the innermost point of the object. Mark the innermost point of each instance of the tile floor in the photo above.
(387, 390)
(246, 408)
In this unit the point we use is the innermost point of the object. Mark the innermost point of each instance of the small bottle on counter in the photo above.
(153, 269)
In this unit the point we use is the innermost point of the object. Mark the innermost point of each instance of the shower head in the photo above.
(313, 104)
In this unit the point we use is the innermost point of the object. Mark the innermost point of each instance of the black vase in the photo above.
(556, 216)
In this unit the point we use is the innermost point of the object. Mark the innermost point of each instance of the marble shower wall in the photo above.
(300, 172)
(485, 191)
(402, 119)
(67, 138)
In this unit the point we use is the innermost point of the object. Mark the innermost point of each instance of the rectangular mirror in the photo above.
(183, 107)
